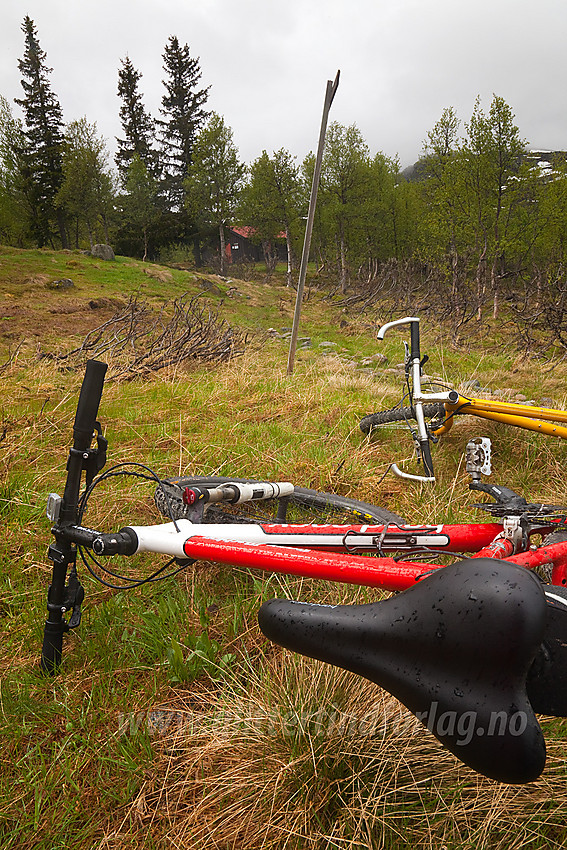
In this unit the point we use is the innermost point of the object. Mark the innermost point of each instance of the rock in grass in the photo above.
(63, 283)
(102, 252)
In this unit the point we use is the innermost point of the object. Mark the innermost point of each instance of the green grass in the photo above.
(81, 762)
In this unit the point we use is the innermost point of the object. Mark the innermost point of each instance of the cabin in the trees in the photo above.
(242, 247)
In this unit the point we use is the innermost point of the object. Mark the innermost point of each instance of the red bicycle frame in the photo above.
(484, 540)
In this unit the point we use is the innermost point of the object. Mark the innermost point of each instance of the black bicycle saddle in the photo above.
(455, 649)
(547, 677)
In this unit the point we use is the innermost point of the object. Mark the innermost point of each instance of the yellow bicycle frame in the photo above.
(525, 416)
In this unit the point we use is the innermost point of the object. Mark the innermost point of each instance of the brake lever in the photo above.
(73, 599)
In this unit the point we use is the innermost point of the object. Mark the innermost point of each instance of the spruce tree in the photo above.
(182, 108)
(14, 208)
(137, 124)
(44, 137)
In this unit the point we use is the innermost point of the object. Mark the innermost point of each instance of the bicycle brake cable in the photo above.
(157, 575)
(147, 474)
(123, 469)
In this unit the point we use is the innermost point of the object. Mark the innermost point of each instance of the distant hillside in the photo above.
(545, 159)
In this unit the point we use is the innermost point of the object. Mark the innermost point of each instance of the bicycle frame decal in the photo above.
(392, 538)
(346, 538)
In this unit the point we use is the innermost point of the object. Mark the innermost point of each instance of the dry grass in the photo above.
(37, 280)
(157, 273)
(297, 754)
(283, 751)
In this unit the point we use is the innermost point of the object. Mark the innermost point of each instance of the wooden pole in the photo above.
(329, 95)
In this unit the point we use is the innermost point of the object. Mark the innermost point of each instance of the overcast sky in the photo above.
(401, 61)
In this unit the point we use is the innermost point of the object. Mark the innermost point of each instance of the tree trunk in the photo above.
(222, 247)
(90, 233)
(197, 252)
(62, 229)
(480, 283)
(344, 270)
(289, 258)
(270, 256)
(495, 284)
(538, 288)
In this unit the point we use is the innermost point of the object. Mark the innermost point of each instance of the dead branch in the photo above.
(137, 341)
(11, 358)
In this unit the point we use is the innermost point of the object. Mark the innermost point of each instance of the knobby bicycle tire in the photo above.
(304, 505)
(545, 572)
(400, 414)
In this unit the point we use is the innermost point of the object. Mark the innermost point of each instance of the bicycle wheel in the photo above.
(545, 572)
(434, 411)
(303, 506)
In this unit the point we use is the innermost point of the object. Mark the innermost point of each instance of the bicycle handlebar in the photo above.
(422, 440)
(237, 492)
(63, 553)
(408, 320)
(418, 398)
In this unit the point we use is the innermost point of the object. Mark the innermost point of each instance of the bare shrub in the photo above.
(443, 291)
(136, 341)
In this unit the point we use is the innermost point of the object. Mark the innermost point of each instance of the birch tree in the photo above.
(215, 179)
(345, 180)
(272, 201)
(87, 190)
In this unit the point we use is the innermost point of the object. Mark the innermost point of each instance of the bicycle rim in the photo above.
(303, 506)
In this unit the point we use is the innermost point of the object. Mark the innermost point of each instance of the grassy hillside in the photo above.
(140, 741)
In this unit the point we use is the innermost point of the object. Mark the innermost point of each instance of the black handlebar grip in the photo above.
(52, 649)
(89, 400)
(414, 340)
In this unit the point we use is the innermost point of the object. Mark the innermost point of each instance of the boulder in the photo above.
(102, 252)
